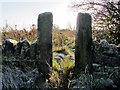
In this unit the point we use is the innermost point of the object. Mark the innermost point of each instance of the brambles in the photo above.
(19, 35)
(106, 17)
(63, 37)
(62, 73)
(104, 34)
(59, 39)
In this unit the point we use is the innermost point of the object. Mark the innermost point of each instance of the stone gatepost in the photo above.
(83, 43)
(44, 43)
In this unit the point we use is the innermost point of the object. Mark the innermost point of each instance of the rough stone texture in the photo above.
(33, 50)
(106, 54)
(7, 47)
(22, 48)
(108, 49)
(118, 47)
(44, 45)
(103, 78)
(15, 79)
(83, 52)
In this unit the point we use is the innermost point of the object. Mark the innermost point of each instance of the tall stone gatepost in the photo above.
(44, 43)
(83, 43)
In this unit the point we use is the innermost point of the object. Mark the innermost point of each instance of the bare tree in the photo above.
(105, 13)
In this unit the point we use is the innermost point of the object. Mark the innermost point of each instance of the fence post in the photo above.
(83, 43)
(44, 44)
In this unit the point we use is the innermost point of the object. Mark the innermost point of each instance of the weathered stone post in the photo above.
(44, 43)
(83, 52)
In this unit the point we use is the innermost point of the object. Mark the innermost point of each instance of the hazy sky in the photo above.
(25, 13)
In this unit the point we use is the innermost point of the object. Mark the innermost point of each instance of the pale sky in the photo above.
(25, 13)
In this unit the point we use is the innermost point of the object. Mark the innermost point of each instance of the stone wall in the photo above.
(41, 49)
